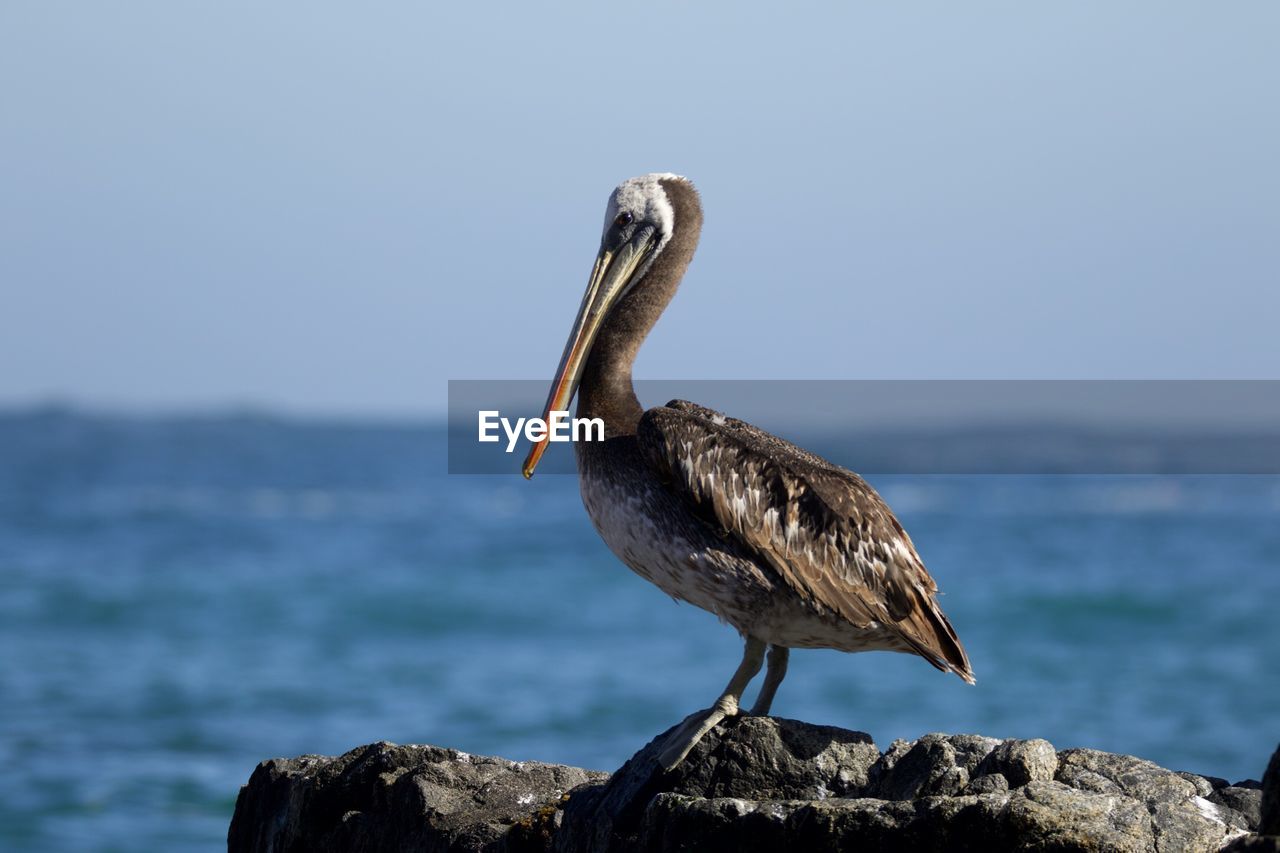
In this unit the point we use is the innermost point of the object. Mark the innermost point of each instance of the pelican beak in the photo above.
(612, 276)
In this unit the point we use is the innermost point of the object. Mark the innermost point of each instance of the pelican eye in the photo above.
(623, 219)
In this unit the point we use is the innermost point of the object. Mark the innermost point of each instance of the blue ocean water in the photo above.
(182, 598)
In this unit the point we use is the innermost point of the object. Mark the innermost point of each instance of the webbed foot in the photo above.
(680, 742)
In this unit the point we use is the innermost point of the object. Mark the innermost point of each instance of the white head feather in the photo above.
(646, 200)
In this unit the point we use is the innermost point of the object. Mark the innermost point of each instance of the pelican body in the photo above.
(791, 550)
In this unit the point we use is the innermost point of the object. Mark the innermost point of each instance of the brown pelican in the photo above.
(790, 549)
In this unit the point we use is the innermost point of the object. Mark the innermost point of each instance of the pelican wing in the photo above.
(821, 527)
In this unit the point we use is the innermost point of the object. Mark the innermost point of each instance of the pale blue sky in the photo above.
(336, 207)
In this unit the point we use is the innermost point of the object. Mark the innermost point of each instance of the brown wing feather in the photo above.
(821, 527)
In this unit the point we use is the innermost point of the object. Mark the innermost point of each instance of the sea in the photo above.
(184, 597)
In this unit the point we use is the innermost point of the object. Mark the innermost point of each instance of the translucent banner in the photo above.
(927, 426)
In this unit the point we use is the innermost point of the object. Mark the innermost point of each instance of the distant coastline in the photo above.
(1029, 447)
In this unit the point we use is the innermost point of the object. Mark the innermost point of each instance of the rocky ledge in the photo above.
(758, 783)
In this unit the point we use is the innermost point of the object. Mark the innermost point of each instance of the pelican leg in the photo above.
(772, 678)
(684, 738)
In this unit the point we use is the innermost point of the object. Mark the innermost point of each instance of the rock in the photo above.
(400, 798)
(1254, 844)
(1269, 808)
(1177, 809)
(926, 768)
(1022, 761)
(753, 783)
(972, 750)
(1056, 816)
(1268, 820)
(1246, 801)
(990, 783)
(1204, 785)
(751, 758)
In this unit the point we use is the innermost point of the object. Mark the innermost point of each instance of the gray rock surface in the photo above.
(384, 797)
(1268, 811)
(756, 783)
(1269, 807)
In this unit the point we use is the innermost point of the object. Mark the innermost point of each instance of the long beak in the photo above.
(610, 278)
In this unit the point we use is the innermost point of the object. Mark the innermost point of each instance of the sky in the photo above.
(336, 208)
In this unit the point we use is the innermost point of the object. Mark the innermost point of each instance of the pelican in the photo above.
(791, 550)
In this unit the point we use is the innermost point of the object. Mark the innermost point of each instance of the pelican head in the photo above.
(638, 224)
